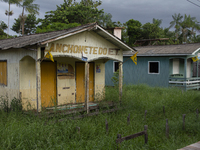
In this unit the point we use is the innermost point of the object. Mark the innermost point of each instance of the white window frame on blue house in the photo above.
(149, 67)
(114, 64)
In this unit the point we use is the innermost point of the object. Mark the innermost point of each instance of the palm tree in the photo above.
(184, 28)
(177, 19)
(193, 25)
(8, 12)
(188, 25)
(27, 5)
(157, 22)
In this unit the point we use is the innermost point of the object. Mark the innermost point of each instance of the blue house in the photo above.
(160, 65)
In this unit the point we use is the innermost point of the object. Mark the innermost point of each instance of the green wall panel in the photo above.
(137, 74)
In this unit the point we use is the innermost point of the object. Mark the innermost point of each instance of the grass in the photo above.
(27, 132)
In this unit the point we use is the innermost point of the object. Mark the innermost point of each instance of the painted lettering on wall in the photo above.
(67, 48)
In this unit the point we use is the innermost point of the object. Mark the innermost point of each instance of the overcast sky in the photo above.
(121, 10)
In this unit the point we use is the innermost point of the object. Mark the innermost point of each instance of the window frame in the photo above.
(1, 84)
(149, 67)
(114, 65)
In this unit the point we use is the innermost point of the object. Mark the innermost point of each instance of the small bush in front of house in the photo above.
(4, 106)
(16, 105)
(115, 78)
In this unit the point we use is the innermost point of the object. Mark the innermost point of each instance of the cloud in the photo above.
(122, 10)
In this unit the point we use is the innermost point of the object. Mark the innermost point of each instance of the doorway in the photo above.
(80, 82)
(48, 84)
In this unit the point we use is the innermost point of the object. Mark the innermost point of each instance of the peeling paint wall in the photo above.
(13, 56)
(99, 79)
(28, 82)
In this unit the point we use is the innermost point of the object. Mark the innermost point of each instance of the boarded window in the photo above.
(195, 69)
(154, 67)
(115, 66)
(3, 72)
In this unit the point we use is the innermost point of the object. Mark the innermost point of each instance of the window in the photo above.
(115, 66)
(154, 67)
(3, 72)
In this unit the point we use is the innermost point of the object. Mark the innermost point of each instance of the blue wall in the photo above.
(136, 74)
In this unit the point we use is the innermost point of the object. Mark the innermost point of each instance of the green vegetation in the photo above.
(19, 131)
(72, 13)
(30, 25)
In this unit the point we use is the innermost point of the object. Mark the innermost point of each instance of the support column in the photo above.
(38, 80)
(197, 69)
(87, 66)
(120, 80)
(185, 71)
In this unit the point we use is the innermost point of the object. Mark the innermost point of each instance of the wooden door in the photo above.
(48, 84)
(80, 82)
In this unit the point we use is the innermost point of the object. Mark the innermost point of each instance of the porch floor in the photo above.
(72, 106)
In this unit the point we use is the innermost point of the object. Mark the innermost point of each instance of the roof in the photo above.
(42, 38)
(166, 50)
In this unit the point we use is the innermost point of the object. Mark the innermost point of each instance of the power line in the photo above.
(194, 3)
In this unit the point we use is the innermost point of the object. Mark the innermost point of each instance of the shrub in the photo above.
(16, 104)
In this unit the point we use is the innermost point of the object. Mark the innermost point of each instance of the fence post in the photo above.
(167, 129)
(164, 110)
(184, 121)
(118, 137)
(145, 115)
(128, 119)
(197, 111)
(106, 126)
(145, 134)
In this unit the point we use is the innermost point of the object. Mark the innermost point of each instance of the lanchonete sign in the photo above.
(75, 49)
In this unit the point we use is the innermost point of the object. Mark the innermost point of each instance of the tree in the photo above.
(73, 12)
(177, 19)
(27, 5)
(105, 20)
(3, 27)
(188, 25)
(184, 29)
(133, 30)
(152, 30)
(55, 26)
(30, 25)
(8, 12)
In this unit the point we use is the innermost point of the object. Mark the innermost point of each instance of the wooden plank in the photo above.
(184, 82)
(130, 137)
(74, 111)
(90, 114)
